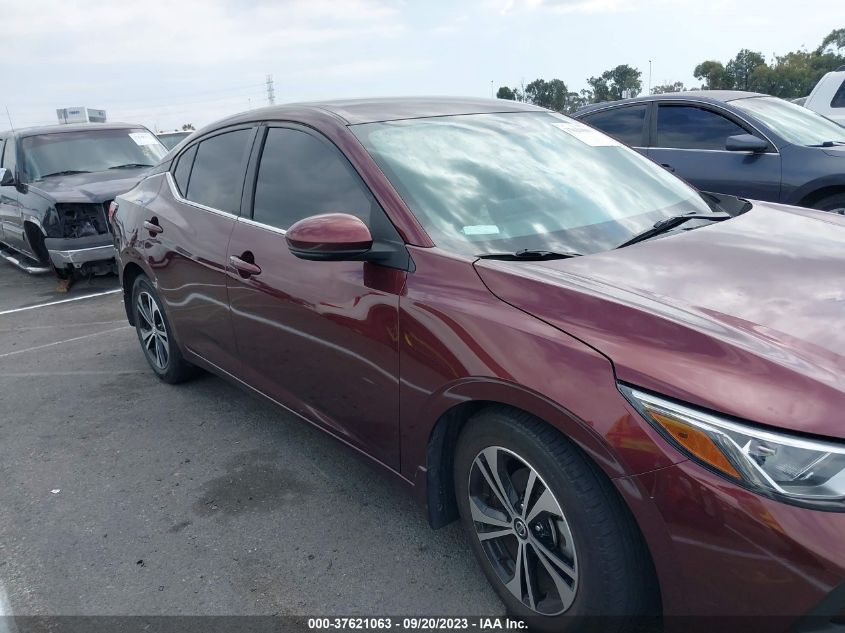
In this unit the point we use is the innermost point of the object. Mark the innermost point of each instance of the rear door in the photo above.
(319, 337)
(187, 234)
(689, 140)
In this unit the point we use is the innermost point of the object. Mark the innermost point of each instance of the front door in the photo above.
(689, 140)
(318, 337)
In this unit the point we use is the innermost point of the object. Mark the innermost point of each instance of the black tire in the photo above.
(613, 581)
(834, 203)
(174, 368)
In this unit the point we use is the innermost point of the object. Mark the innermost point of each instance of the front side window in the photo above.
(217, 176)
(797, 125)
(624, 124)
(92, 150)
(492, 183)
(690, 127)
(300, 176)
(8, 158)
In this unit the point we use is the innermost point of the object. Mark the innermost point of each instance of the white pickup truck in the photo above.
(828, 97)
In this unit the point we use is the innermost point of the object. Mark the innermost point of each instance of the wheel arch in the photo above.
(128, 275)
(463, 400)
(817, 195)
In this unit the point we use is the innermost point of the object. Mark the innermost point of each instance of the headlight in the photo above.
(788, 467)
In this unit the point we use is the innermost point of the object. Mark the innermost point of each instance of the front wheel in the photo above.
(834, 204)
(550, 532)
(156, 335)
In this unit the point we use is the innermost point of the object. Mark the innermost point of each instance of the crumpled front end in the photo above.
(78, 237)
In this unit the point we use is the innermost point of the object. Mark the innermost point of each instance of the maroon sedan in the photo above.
(630, 393)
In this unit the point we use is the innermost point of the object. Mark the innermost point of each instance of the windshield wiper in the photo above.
(827, 144)
(130, 166)
(667, 224)
(527, 254)
(66, 172)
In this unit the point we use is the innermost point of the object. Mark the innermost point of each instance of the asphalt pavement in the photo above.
(122, 495)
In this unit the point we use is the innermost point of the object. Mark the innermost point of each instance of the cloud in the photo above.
(569, 6)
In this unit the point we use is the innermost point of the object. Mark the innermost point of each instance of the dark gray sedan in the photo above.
(740, 143)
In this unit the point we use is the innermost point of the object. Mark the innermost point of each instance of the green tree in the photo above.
(676, 86)
(619, 82)
(548, 94)
(506, 93)
(188, 127)
(714, 75)
(834, 40)
(742, 67)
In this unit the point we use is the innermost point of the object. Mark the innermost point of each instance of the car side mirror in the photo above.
(746, 143)
(329, 237)
(7, 178)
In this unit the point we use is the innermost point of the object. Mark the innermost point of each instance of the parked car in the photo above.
(172, 139)
(628, 392)
(56, 183)
(828, 97)
(740, 143)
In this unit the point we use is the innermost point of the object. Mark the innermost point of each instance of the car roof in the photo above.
(67, 127)
(356, 111)
(707, 96)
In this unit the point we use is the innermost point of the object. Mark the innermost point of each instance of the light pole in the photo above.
(491, 89)
(649, 76)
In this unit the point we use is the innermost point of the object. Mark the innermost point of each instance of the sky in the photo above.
(163, 63)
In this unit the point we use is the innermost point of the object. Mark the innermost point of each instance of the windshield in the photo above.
(796, 124)
(490, 183)
(88, 150)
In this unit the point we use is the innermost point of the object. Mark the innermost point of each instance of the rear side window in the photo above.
(183, 170)
(689, 127)
(838, 100)
(217, 177)
(624, 124)
(301, 175)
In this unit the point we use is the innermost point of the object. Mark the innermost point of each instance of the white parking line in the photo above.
(55, 303)
(5, 613)
(67, 340)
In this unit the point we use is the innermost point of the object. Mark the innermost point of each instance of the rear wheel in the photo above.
(156, 336)
(834, 204)
(549, 530)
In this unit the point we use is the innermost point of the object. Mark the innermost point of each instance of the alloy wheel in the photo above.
(153, 331)
(523, 531)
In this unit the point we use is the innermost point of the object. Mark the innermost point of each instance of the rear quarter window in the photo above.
(624, 124)
(838, 100)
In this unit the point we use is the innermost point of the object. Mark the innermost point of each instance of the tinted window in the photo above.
(688, 127)
(625, 124)
(217, 177)
(183, 169)
(838, 100)
(301, 175)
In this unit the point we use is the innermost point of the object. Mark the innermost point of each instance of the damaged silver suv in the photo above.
(56, 184)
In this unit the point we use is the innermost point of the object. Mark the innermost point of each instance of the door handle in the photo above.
(247, 269)
(668, 167)
(152, 226)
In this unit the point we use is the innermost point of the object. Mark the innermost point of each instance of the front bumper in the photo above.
(75, 252)
(735, 553)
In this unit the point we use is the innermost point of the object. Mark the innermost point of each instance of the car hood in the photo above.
(744, 316)
(93, 187)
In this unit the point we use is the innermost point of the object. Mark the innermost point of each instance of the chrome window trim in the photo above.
(261, 225)
(717, 151)
(174, 191)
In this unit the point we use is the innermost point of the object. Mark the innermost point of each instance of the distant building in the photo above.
(80, 114)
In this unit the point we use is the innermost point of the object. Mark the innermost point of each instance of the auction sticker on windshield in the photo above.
(143, 138)
(586, 134)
